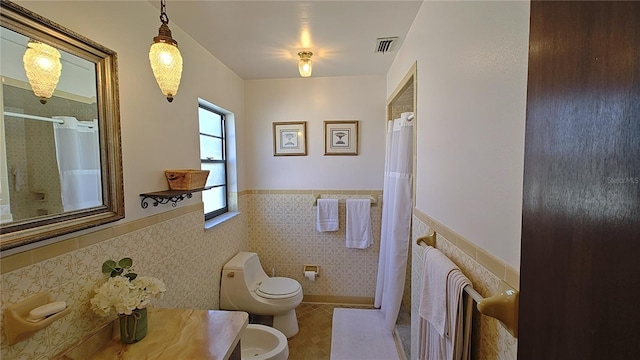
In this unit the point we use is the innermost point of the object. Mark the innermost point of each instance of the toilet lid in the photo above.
(278, 287)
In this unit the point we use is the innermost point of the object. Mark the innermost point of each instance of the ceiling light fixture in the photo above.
(304, 63)
(165, 58)
(43, 67)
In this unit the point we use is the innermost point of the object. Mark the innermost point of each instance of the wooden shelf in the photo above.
(168, 196)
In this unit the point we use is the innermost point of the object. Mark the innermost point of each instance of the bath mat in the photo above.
(359, 334)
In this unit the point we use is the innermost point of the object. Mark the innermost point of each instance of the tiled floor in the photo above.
(403, 329)
(313, 341)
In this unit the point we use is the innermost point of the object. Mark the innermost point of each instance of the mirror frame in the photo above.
(23, 232)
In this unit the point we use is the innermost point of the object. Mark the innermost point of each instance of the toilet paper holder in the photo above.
(312, 268)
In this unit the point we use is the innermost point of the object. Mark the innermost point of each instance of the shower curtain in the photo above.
(78, 154)
(396, 218)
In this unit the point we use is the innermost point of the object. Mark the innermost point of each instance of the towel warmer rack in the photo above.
(502, 306)
(374, 202)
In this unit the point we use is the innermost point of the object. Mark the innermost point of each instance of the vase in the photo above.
(133, 328)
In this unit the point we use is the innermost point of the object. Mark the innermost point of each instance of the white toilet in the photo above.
(245, 286)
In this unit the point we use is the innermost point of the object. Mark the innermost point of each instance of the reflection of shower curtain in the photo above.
(78, 153)
(396, 218)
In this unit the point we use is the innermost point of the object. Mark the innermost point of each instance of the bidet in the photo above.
(261, 342)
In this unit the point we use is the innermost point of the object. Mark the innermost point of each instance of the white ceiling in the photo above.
(261, 39)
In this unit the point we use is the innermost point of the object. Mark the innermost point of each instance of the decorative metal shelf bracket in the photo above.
(161, 200)
(168, 196)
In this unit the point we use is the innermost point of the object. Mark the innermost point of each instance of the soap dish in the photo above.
(16, 316)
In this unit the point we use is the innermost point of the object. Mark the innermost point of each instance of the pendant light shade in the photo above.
(43, 67)
(304, 63)
(165, 58)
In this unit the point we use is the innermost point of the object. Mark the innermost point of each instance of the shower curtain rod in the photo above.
(33, 117)
(41, 118)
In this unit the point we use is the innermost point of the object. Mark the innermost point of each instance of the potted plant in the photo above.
(126, 294)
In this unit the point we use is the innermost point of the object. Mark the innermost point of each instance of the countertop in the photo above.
(182, 334)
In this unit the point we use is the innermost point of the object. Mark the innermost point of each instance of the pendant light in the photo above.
(165, 58)
(43, 67)
(304, 63)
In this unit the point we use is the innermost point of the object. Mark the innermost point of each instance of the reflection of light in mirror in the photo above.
(42, 66)
(78, 77)
(44, 63)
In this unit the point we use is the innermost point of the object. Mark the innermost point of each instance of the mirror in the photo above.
(60, 161)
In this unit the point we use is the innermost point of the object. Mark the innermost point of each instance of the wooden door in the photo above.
(580, 268)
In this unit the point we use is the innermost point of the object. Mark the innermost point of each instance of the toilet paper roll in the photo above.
(311, 275)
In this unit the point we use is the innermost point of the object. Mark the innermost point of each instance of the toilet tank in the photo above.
(249, 265)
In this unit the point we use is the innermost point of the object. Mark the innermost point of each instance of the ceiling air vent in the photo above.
(384, 45)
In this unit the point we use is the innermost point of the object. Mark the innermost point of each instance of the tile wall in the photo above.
(490, 340)
(282, 230)
(279, 226)
(172, 246)
(403, 102)
(31, 150)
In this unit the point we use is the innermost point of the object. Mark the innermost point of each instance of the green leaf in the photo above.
(108, 266)
(125, 263)
(117, 271)
(131, 276)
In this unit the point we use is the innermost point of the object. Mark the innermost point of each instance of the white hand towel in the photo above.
(455, 342)
(433, 302)
(327, 219)
(358, 226)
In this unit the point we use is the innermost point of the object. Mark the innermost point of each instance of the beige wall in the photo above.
(470, 111)
(471, 94)
(315, 100)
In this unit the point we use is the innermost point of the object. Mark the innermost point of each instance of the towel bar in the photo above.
(342, 201)
(429, 240)
(502, 306)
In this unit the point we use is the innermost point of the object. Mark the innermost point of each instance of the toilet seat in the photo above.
(278, 288)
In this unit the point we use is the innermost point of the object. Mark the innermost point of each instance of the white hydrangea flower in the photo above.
(120, 295)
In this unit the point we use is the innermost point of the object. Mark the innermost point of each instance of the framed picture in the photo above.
(341, 137)
(289, 138)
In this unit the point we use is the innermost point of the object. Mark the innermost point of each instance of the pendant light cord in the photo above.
(163, 12)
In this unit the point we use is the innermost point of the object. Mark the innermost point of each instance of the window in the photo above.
(213, 158)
